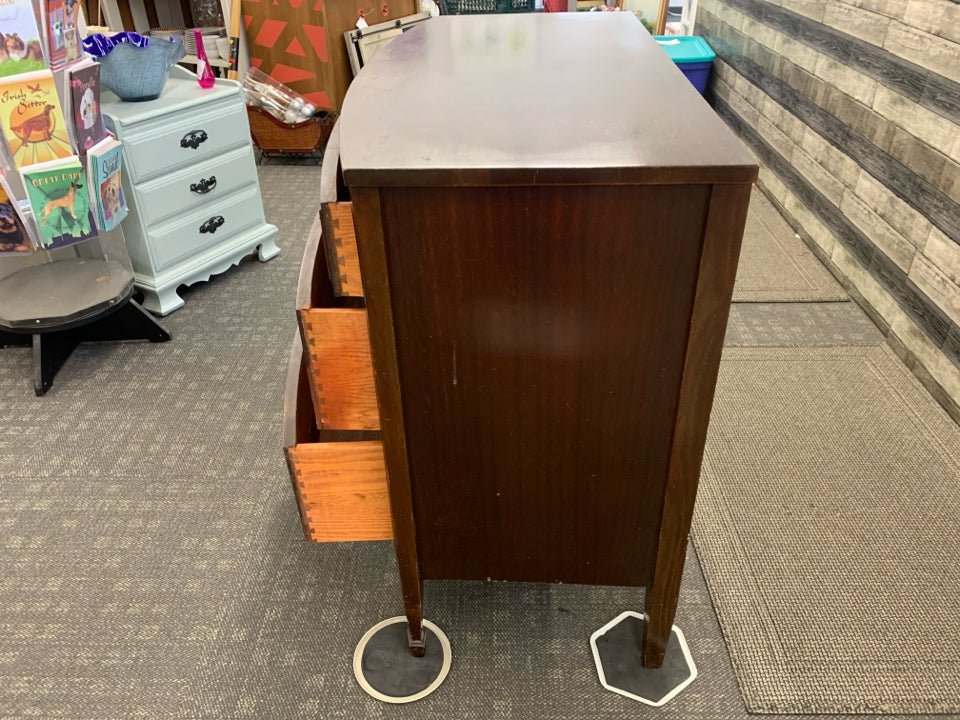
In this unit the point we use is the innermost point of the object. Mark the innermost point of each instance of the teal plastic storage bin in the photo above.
(691, 54)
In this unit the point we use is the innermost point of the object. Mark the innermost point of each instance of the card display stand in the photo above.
(56, 299)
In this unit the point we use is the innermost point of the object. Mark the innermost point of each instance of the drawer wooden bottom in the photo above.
(341, 490)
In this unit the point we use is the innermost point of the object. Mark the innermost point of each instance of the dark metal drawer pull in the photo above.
(211, 225)
(193, 139)
(204, 186)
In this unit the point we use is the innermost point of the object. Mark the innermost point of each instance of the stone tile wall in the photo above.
(853, 109)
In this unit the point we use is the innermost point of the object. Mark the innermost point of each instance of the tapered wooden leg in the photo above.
(664, 591)
(416, 644)
(411, 587)
(726, 217)
(661, 606)
(383, 345)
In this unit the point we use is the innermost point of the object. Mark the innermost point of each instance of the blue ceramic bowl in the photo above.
(136, 74)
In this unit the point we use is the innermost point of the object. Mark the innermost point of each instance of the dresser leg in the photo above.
(267, 249)
(655, 640)
(417, 646)
(411, 587)
(161, 302)
(661, 604)
(383, 348)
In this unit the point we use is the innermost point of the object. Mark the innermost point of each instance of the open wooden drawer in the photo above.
(340, 245)
(336, 221)
(339, 480)
(331, 420)
(336, 344)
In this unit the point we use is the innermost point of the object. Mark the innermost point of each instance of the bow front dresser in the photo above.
(548, 220)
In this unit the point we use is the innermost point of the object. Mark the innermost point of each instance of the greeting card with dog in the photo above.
(103, 173)
(61, 30)
(84, 84)
(60, 200)
(32, 121)
(20, 49)
(13, 234)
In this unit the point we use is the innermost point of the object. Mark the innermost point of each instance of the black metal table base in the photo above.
(51, 349)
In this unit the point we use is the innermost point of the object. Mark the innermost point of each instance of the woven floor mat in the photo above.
(828, 527)
(775, 265)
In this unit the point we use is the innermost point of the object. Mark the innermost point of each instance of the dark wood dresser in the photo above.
(548, 219)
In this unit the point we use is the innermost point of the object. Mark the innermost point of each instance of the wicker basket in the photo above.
(273, 136)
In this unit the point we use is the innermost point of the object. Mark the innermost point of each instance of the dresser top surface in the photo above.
(179, 92)
(538, 98)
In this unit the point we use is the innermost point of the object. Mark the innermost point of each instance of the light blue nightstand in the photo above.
(190, 181)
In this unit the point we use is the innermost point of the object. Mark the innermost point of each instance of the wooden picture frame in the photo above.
(661, 24)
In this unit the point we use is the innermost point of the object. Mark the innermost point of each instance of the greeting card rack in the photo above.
(55, 299)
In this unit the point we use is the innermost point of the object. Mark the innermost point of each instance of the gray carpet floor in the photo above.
(152, 563)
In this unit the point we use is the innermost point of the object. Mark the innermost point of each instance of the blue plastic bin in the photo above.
(691, 54)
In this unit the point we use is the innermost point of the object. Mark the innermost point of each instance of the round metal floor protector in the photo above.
(385, 668)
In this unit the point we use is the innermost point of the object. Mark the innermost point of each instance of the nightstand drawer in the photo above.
(196, 185)
(205, 226)
(167, 143)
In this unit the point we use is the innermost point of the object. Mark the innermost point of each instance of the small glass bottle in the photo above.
(204, 73)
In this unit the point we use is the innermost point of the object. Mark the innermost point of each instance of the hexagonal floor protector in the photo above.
(385, 668)
(618, 653)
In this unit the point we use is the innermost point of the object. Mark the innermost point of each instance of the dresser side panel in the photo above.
(540, 339)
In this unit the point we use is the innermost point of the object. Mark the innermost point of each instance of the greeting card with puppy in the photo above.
(103, 174)
(61, 30)
(60, 201)
(13, 233)
(20, 48)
